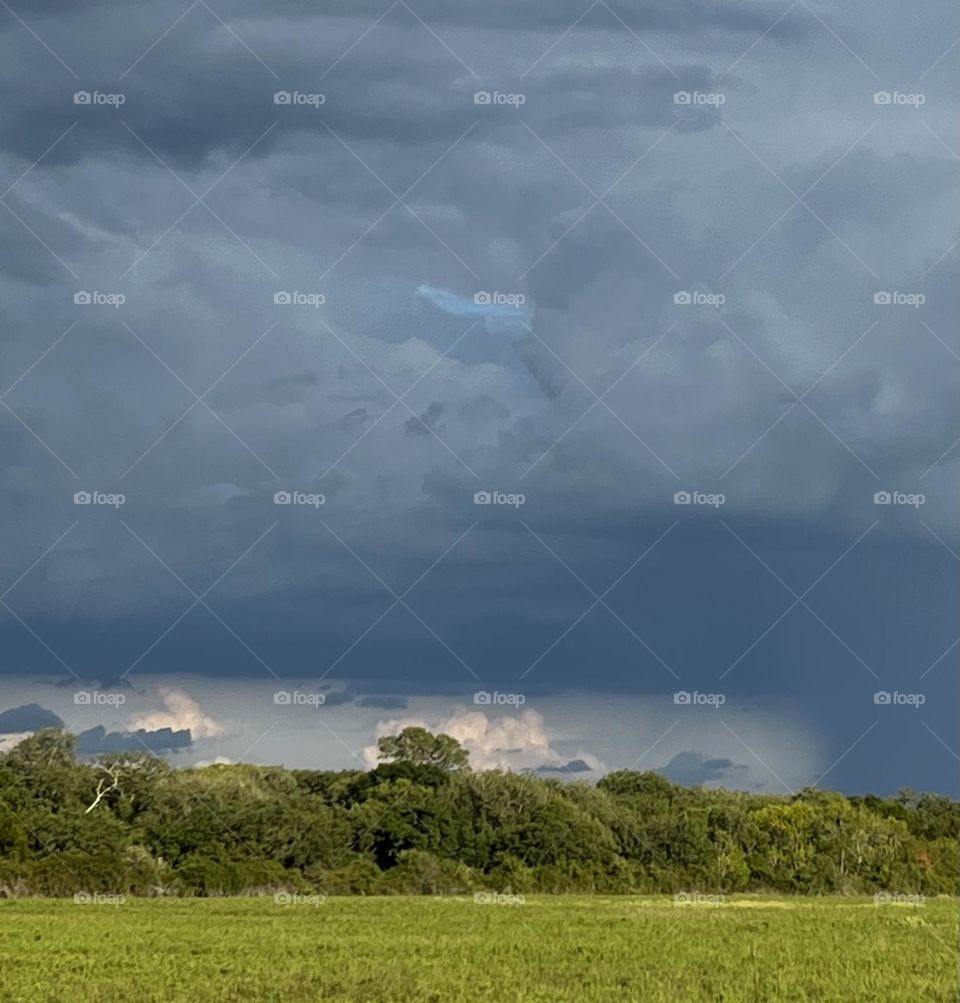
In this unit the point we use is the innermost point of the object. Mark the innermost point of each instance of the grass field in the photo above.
(571, 948)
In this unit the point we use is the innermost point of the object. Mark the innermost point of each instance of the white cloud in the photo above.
(182, 712)
(7, 742)
(504, 743)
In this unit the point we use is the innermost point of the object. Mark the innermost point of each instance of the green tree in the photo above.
(420, 747)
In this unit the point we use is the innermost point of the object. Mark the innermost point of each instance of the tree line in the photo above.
(422, 822)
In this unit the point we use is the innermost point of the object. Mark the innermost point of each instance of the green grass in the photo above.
(563, 948)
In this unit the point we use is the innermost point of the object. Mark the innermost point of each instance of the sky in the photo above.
(578, 379)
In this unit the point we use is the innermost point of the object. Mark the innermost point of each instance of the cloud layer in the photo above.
(280, 368)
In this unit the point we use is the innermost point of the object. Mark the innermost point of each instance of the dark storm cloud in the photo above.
(29, 717)
(423, 424)
(502, 15)
(699, 399)
(692, 769)
(573, 766)
(338, 698)
(498, 14)
(92, 683)
(192, 102)
(97, 740)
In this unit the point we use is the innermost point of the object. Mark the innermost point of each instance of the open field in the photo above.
(381, 950)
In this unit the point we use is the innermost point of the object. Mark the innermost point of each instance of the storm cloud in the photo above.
(508, 349)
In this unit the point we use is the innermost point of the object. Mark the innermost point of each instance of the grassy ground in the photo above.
(387, 950)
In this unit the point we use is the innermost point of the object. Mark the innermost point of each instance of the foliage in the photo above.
(423, 823)
(420, 747)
